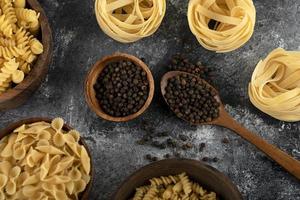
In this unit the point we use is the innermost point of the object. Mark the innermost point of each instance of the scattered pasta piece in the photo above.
(275, 85)
(173, 188)
(222, 25)
(34, 166)
(129, 20)
(18, 25)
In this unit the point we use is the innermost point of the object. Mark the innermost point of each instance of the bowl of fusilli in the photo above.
(25, 50)
(177, 179)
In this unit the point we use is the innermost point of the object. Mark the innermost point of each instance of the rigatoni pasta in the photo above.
(43, 161)
(178, 187)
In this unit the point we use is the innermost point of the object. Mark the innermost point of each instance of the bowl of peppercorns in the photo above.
(119, 87)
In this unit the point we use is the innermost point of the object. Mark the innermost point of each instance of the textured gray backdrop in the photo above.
(79, 43)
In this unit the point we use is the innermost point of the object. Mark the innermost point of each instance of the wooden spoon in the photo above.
(225, 120)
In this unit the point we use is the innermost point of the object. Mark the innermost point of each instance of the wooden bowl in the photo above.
(205, 175)
(93, 74)
(10, 128)
(19, 94)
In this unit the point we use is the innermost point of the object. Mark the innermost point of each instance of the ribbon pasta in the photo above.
(275, 85)
(234, 23)
(129, 20)
(34, 165)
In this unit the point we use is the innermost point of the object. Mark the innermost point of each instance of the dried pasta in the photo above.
(129, 20)
(18, 25)
(178, 187)
(34, 166)
(275, 85)
(222, 25)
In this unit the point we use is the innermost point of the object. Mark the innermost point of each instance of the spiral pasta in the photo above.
(18, 25)
(177, 187)
(5, 26)
(10, 73)
(11, 52)
(27, 18)
(222, 25)
(32, 166)
(7, 42)
(275, 85)
(19, 3)
(8, 10)
(129, 20)
(164, 180)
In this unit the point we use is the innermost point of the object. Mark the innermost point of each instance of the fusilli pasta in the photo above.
(18, 25)
(177, 187)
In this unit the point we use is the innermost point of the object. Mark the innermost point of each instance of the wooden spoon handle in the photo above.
(285, 160)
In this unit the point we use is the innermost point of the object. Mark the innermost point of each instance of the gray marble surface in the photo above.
(79, 43)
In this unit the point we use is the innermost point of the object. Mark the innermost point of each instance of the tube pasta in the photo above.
(232, 23)
(275, 85)
(32, 166)
(129, 20)
(177, 187)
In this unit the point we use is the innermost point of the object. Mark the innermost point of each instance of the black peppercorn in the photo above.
(119, 87)
(179, 63)
(205, 159)
(199, 108)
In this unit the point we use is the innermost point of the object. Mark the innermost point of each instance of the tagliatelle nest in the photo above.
(129, 20)
(222, 25)
(275, 85)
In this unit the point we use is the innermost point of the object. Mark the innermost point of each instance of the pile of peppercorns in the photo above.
(192, 99)
(180, 63)
(122, 88)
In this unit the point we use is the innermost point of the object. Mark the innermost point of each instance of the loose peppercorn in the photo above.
(167, 155)
(148, 157)
(198, 102)
(202, 146)
(119, 88)
(225, 140)
(180, 63)
(183, 137)
(205, 159)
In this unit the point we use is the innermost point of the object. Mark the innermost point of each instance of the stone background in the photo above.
(79, 43)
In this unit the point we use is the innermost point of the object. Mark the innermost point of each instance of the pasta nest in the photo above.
(129, 20)
(275, 85)
(222, 25)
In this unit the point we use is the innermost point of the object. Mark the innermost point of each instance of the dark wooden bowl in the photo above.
(9, 129)
(205, 175)
(19, 94)
(91, 79)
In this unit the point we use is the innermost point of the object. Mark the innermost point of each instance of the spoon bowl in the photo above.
(164, 82)
(225, 120)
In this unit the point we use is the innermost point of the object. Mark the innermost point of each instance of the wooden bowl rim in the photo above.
(174, 161)
(8, 130)
(41, 64)
(94, 72)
